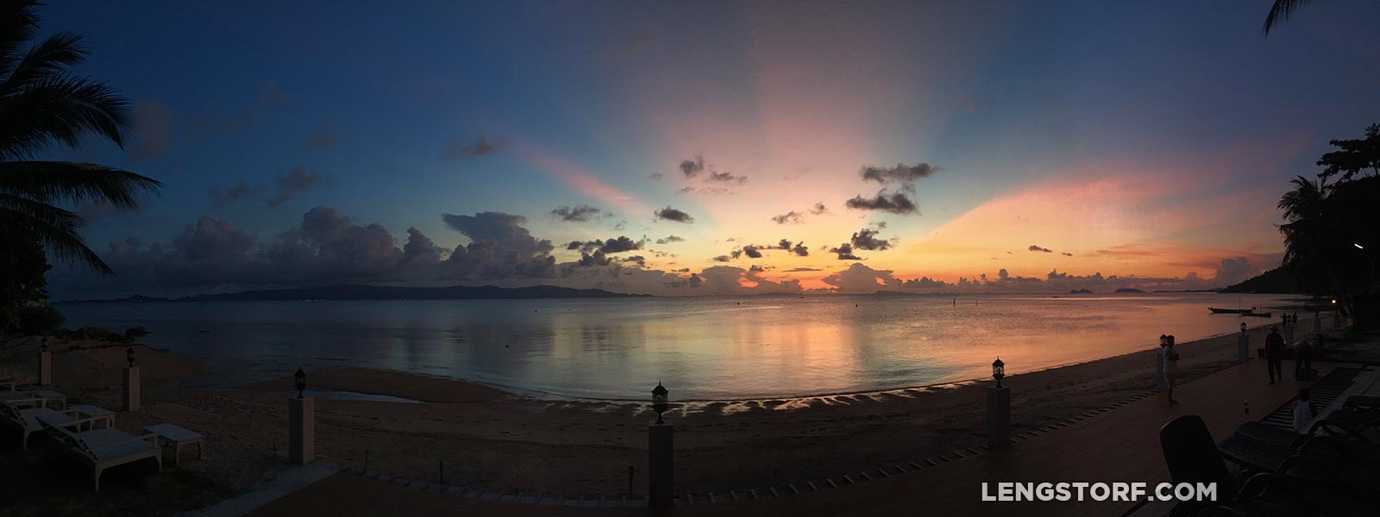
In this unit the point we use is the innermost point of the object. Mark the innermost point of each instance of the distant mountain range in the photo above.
(372, 292)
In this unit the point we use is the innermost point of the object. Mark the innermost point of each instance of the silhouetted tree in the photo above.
(1330, 237)
(1280, 11)
(42, 103)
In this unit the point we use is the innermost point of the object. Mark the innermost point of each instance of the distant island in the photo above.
(371, 292)
(1081, 291)
(1129, 290)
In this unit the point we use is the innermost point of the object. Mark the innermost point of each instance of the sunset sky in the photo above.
(308, 143)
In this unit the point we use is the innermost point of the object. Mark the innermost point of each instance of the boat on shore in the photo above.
(1220, 310)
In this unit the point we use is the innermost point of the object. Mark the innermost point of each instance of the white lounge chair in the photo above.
(54, 397)
(104, 448)
(23, 414)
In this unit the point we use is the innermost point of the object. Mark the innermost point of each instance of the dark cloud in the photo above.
(791, 217)
(1039, 249)
(902, 174)
(610, 246)
(752, 251)
(859, 278)
(800, 250)
(693, 167)
(237, 192)
(802, 270)
(151, 131)
(669, 239)
(866, 239)
(500, 247)
(671, 214)
(1067, 254)
(323, 138)
(845, 252)
(722, 258)
(295, 182)
(819, 209)
(726, 177)
(460, 149)
(1234, 270)
(896, 203)
(578, 213)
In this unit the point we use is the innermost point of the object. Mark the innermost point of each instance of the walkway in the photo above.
(1120, 445)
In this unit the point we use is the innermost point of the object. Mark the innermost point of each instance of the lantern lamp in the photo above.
(1243, 326)
(300, 379)
(999, 372)
(660, 396)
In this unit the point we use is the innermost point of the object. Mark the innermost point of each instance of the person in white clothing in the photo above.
(1304, 414)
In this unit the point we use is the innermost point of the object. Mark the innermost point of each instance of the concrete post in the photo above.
(660, 466)
(1243, 347)
(1159, 372)
(998, 417)
(132, 399)
(301, 430)
(45, 368)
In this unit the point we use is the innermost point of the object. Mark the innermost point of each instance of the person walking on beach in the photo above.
(1274, 354)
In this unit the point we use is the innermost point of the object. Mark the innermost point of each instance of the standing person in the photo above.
(1303, 360)
(1168, 358)
(1274, 354)
(1303, 412)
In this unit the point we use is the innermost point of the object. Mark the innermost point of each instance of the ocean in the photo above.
(701, 348)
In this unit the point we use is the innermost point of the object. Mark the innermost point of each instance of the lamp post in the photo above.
(661, 447)
(45, 363)
(133, 399)
(998, 409)
(1243, 345)
(301, 423)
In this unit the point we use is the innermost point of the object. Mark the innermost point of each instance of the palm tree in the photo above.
(1280, 11)
(42, 103)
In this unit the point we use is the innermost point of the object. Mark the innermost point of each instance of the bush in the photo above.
(39, 319)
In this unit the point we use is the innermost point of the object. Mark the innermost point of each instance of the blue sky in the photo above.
(1182, 115)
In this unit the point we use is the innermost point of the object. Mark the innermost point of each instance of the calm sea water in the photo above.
(703, 348)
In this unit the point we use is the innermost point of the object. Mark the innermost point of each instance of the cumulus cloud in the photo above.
(295, 182)
(752, 251)
(819, 209)
(500, 247)
(671, 214)
(896, 203)
(866, 239)
(845, 252)
(669, 239)
(574, 214)
(903, 175)
(1233, 270)
(791, 217)
(693, 167)
(1039, 249)
(859, 278)
(722, 258)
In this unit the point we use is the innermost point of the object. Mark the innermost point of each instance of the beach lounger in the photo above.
(1192, 457)
(104, 448)
(23, 414)
(54, 398)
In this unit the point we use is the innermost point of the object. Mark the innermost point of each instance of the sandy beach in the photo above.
(505, 441)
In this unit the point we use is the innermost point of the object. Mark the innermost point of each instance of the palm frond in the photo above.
(61, 108)
(47, 182)
(17, 24)
(44, 60)
(1280, 11)
(55, 229)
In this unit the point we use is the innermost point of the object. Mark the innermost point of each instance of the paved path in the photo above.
(1120, 445)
